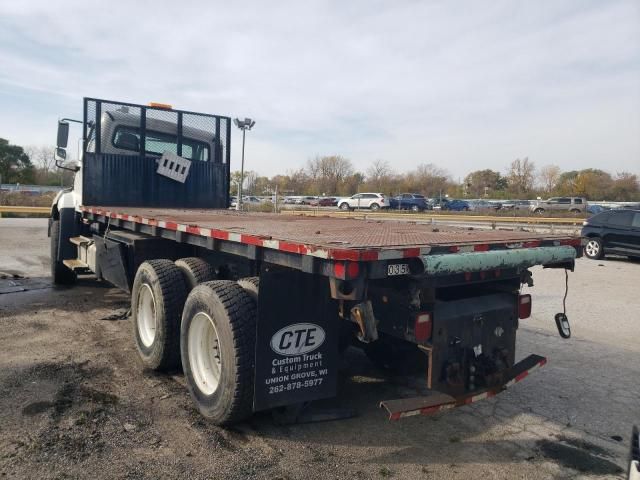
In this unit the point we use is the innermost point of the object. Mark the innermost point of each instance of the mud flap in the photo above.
(111, 262)
(296, 341)
(68, 228)
(437, 402)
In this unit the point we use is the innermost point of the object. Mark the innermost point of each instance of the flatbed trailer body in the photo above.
(256, 308)
(364, 254)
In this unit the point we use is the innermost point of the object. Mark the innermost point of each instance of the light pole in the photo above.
(244, 125)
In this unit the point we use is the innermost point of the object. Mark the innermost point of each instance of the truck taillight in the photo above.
(423, 326)
(524, 306)
(346, 270)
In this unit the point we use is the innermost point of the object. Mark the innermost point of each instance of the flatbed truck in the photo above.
(256, 308)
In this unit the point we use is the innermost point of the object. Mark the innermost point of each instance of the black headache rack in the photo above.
(122, 144)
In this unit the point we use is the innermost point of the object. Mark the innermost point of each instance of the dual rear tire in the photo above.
(209, 331)
(217, 344)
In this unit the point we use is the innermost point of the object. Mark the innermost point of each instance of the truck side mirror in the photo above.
(61, 153)
(63, 134)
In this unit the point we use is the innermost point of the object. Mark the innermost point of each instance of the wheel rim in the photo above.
(592, 248)
(205, 358)
(375, 206)
(146, 317)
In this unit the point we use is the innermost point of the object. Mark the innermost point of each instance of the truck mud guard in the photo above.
(447, 264)
(437, 402)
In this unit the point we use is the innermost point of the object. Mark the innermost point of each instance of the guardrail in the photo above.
(444, 216)
(17, 209)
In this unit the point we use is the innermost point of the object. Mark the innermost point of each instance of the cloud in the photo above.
(463, 85)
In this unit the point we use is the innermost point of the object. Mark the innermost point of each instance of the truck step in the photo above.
(80, 240)
(76, 265)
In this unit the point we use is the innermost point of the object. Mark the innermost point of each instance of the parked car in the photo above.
(515, 205)
(328, 202)
(612, 231)
(251, 199)
(559, 204)
(595, 209)
(438, 203)
(410, 201)
(289, 200)
(305, 200)
(457, 206)
(374, 201)
(481, 205)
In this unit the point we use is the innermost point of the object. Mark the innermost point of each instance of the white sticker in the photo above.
(297, 339)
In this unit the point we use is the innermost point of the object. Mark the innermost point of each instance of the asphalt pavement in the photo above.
(75, 402)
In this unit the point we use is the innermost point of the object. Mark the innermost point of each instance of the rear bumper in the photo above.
(437, 402)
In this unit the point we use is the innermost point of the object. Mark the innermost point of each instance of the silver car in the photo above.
(559, 204)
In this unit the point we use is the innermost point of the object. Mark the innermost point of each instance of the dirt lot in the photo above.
(75, 402)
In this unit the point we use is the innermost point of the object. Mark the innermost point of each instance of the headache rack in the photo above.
(122, 144)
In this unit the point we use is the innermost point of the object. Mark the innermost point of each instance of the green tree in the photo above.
(481, 182)
(15, 165)
(625, 187)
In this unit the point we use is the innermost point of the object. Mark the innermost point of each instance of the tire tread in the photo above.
(241, 314)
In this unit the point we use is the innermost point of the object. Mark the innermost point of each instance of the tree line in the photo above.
(335, 175)
(32, 165)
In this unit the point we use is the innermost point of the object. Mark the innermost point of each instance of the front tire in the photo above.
(345, 206)
(593, 249)
(60, 274)
(217, 340)
(159, 293)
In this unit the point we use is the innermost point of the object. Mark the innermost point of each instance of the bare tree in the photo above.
(521, 176)
(42, 157)
(548, 177)
(378, 174)
(249, 184)
(328, 173)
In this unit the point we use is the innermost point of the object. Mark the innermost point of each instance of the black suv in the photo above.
(613, 231)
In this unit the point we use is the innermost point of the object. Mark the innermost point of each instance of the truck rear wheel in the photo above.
(159, 293)
(60, 274)
(251, 285)
(196, 271)
(217, 340)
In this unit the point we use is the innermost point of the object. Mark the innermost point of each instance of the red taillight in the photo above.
(346, 270)
(524, 306)
(423, 326)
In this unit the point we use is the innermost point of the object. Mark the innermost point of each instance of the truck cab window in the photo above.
(156, 143)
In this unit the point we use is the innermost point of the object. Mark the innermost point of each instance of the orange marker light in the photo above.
(164, 106)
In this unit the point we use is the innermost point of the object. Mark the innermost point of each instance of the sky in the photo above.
(464, 85)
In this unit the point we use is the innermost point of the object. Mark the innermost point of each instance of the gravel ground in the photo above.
(75, 402)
